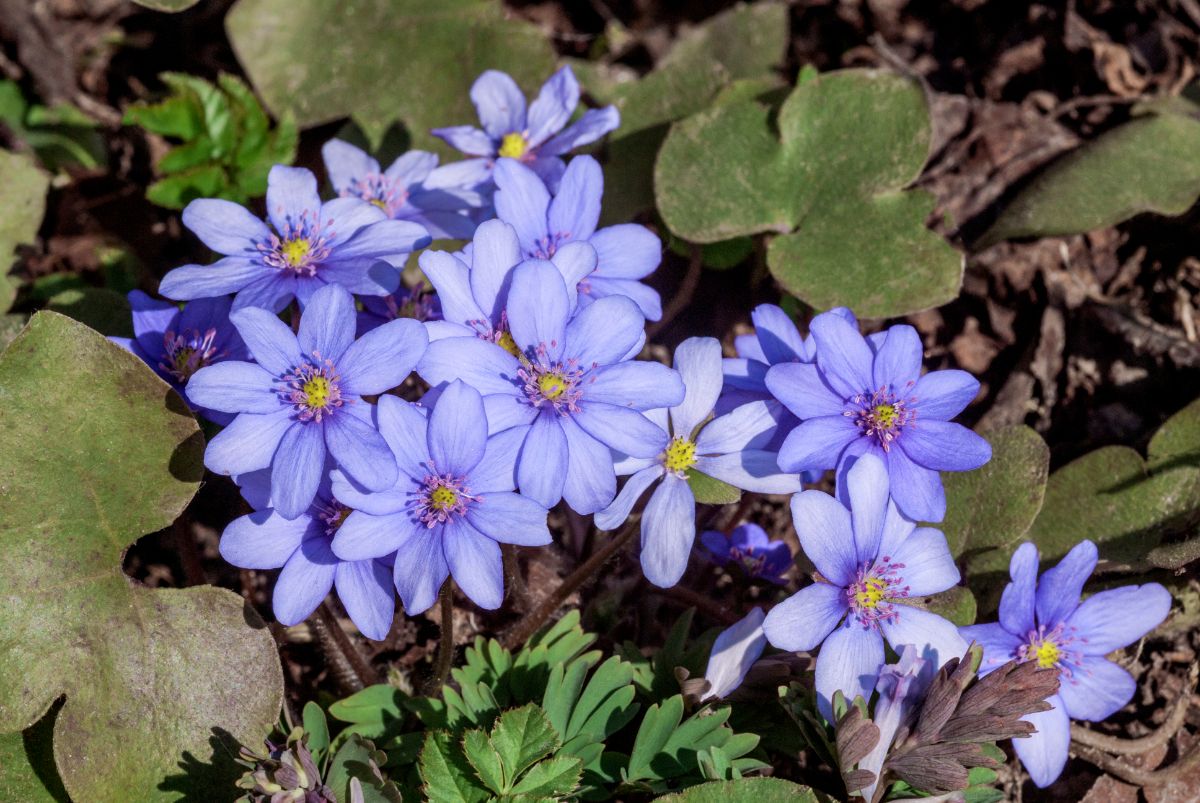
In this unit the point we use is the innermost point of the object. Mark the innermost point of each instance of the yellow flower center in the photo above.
(506, 342)
(552, 385)
(382, 204)
(514, 145)
(443, 498)
(1047, 654)
(294, 252)
(680, 455)
(180, 360)
(885, 415)
(871, 592)
(316, 392)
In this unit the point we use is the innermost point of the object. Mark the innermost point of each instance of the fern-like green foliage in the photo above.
(226, 144)
(60, 135)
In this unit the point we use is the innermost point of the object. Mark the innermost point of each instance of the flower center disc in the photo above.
(680, 455)
(514, 145)
(886, 415)
(316, 392)
(870, 593)
(552, 385)
(1046, 653)
(443, 498)
(295, 251)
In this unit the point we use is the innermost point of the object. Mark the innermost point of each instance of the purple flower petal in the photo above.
(592, 124)
(305, 581)
(234, 387)
(733, 653)
(342, 217)
(468, 139)
(936, 639)
(327, 326)
(538, 309)
(510, 519)
(603, 332)
(803, 620)
(753, 470)
(151, 318)
(646, 298)
(616, 513)
(363, 536)
(1017, 601)
(817, 443)
(361, 452)
(482, 365)
(457, 430)
(453, 282)
(248, 443)
(496, 251)
(1059, 589)
(802, 390)
(1095, 689)
(291, 195)
(898, 362)
(928, 565)
(698, 361)
(944, 446)
(896, 530)
(224, 226)
(499, 102)
(296, 469)
(777, 335)
(941, 395)
(826, 535)
(522, 201)
(575, 261)
(269, 291)
(383, 358)
(1114, 619)
(365, 589)
(224, 276)
(553, 107)
(263, 540)
(917, 490)
(346, 164)
(413, 167)
(626, 251)
(422, 570)
(746, 427)
(867, 488)
(382, 240)
(842, 354)
(365, 276)
(496, 472)
(542, 465)
(505, 411)
(999, 646)
(1044, 754)
(627, 431)
(475, 563)
(575, 210)
(549, 169)
(591, 481)
(638, 385)
(668, 531)
(403, 427)
(849, 661)
(271, 342)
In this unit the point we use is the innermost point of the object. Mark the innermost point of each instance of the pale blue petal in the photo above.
(803, 620)
(668, 532)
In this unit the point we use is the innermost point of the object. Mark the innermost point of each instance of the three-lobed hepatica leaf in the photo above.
(829, 175)
(22, 205)
(379, 61)
(748, 790)
(96, 450)
(1150, 164)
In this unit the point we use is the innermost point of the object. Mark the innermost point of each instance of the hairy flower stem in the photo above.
(520, 632)
(445, 654)
(350, 666)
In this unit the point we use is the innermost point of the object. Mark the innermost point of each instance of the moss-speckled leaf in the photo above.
(22, 204)
(380, 61)
(1150, 164)
(832, 182)
(27, 771)
(749, 790)
(95, 450)
(710, 490)
(747, 40)
(995, 505)
(957, 604)
(170, 6)
(1177, 442)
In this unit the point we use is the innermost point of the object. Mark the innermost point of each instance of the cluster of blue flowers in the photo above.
(531, 394)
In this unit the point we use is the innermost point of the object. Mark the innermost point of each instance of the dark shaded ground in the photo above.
(1092, 340)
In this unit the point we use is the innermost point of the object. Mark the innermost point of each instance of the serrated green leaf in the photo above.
(849, 143)
(522, 737)
(446, 774)
(1177, 442)
(710, 490)
(995, 505)
(486, 761)
(317, 729)
(748, 790)
(22, 205)
(149, 675)
(1150, 164)
(323, 61)
(554, 778)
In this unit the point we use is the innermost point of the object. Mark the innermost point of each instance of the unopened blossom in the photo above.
(727, 448)
(301, 548)
(536, 136)
(625, 253)
(750, 549)
(308, 245)
(451, 506)
(1044, 621)
(302, 398)
(177, 343)
(732, 655)
(900, 691)
(872, 561)
(569, 387)
(412, 188)
(868, 397)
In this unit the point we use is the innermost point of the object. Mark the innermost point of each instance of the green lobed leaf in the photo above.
(521, 737)
(955, 604)
(317, 729)
(22, 205)
(748, 40)
(848, 145)
(749, 790)
(710, 490)
(995, 505)
(486, 761)
(358, 759)
(1150, 164)
(358, 59)
(446, 774)
(554, 778)
(154, 679)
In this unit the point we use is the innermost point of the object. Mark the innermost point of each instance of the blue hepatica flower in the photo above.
(571, 389)
(871, 559)
(752, 550)
(301, 548)
(625, 253)
(302, 399)
(727, 448)
(1044, 621)
(732, 655)
(451, 506)
(416, 302)
(536, 137)
(413, 188)
(473, 285)
(308, 246)
(869, 397)
(178, 343)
